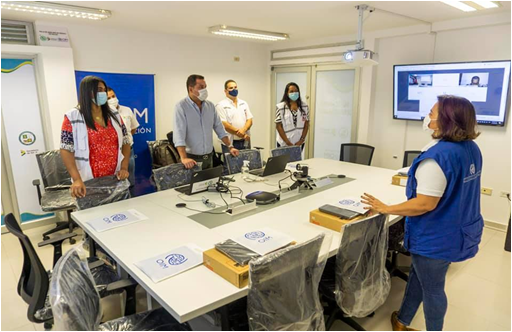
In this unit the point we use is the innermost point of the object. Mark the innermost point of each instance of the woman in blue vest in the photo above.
(443, 223)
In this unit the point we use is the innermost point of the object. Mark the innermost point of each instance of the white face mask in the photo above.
(426, 122)
(203, 94)
(113, 102)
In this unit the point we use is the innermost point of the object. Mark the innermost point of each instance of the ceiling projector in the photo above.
(360, 58)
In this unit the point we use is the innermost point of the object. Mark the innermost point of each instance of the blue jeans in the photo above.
(426, 284)
(131, 172)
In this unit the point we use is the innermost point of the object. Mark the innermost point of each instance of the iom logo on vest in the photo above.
(473, 174)
(172, 259)
(258, 236)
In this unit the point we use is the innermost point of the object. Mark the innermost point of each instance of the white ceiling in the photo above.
(300, 19)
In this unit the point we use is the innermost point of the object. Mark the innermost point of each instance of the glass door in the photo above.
(280, 78)
(334, 115)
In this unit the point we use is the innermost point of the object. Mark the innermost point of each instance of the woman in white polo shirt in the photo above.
(292, 118)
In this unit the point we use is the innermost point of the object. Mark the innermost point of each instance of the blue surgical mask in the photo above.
(293, 96)
(233, 93)
(101, 98)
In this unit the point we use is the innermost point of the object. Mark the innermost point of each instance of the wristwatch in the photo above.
(231, 146)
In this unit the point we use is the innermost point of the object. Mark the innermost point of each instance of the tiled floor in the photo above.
(478, 290)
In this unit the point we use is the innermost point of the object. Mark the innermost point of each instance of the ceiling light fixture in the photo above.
(486, 4)
(460, 5)
(57, 9)
(224, 30)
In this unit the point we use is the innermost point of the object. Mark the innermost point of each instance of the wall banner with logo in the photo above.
(136, 91)
(24, 132)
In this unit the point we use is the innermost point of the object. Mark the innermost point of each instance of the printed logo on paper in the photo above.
(119, 217)
(254, 235)
(27, 138)
(176, 259)
(347, 202)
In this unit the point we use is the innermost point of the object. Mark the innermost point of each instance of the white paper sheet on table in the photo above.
(263, 240)
(172, 262)
(116, 220)
(352, 204)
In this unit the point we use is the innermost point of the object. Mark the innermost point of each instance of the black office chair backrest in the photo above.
(409, 157)
(362, 281)
(73, 296)
(235, 163)
(283, 289)
(103, 190)
(53, 171)
(357, 153)
(33, 283)
(173, 176)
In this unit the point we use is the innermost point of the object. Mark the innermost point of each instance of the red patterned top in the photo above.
(103, 146)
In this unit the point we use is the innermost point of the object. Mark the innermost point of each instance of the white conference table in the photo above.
(199, 290)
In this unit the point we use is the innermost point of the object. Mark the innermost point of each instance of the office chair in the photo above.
(34, 280)
(172, 176)
(357, 153)
(294, 152)
(75, 302)
(283, 289)
(56, 196)
(235, 163)
(103, 190)
(409, 157)
(356, 283)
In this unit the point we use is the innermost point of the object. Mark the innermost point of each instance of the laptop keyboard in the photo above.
(258, 171)
(183, 189)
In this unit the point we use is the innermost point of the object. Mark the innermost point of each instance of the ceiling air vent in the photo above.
(17, 32)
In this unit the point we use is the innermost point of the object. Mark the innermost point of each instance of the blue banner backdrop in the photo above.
(136, 91)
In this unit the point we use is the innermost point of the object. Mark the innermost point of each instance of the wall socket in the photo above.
(504, 194)
(486, 191)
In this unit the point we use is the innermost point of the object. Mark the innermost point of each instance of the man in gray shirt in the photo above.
(194, 119)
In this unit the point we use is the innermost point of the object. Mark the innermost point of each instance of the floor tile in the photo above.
(14, 310)
(27, 327)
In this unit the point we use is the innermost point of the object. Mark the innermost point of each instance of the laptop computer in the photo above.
(274, 165)
(201, 180)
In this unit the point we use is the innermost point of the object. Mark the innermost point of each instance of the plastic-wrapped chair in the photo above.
(235, 163)
(56, 183)
(103, 190)
(283, 288)
(76, 303)
(174, 175)
(34, 279)
(294, 152)
(358, 283)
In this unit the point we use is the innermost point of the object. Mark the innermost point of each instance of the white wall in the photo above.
(56, 78)
(392, 137)
(172, 58)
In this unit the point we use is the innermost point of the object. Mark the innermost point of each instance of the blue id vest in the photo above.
(453, 230)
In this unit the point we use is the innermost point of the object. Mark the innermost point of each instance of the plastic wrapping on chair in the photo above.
(283, 287)
(103, 190)
(73, 296)
(57, 200)
(295, 152)
(104, 275)
(235, 163)
(53, 171)
(154, 320)
(45, 313)
(174, 175)
(362, 281)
